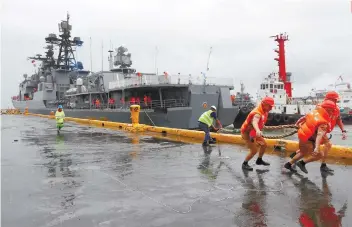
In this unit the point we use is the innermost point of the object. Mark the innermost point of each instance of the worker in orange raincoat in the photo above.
(335, 120)
(251, 132)
(311, 135)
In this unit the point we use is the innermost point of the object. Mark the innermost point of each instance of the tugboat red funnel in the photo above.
(280, 39)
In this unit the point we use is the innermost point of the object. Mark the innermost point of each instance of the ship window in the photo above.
(346, 101)
(273, 96)
(280, 96)
(266, 86)
(271, 85)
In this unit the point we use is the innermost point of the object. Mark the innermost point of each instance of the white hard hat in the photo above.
(213, 107)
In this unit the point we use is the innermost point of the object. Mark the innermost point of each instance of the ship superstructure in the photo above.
(166, 100)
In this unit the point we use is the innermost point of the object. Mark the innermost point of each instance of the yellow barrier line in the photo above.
(336, 151)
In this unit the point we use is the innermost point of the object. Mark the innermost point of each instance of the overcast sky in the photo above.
(319, 50)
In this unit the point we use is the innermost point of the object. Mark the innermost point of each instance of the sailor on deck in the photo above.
(59, 116)
(206, 122)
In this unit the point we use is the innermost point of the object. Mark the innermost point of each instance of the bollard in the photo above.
(135, 114)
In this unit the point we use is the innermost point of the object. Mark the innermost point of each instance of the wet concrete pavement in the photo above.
(101, 177)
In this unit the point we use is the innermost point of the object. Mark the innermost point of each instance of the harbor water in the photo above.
(100, 177)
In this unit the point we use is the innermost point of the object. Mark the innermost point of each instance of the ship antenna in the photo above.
(155, 60)
(102, 56)
(110, 57)
(91, 64)
(209, 58)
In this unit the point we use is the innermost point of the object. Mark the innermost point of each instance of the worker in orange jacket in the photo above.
(311, 135)
(251, 132)
(335, 120)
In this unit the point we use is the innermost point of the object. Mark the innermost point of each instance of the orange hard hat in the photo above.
(269, 101)
(332, 95)
(327, 104)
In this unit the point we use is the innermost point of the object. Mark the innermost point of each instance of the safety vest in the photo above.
(333, 119)
(313, 120)
(206, 118)
(247, 124)
(60, 116)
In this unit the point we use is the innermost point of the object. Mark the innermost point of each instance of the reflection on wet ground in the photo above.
(98, 177)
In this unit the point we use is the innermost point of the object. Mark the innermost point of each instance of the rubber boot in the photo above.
(261, 162)
(289, 167)
(302, 166)
(245, 166)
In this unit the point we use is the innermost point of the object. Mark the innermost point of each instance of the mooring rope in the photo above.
(270, 127)
(280, 127)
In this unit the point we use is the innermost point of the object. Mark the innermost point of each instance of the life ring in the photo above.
(205, 105)
(286, 119)
(277, 117)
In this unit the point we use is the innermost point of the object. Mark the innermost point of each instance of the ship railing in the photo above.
(152, 80)
(167, 103)
(242, 103)
(154, 104)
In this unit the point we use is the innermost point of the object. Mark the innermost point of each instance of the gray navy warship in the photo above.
(174, 101)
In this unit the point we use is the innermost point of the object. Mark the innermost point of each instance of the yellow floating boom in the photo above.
(288, 145)
(10, 111)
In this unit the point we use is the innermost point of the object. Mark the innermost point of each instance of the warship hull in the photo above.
(180, 117)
